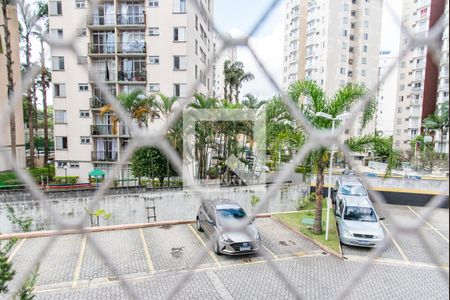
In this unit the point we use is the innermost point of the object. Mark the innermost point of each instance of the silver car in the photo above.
(216, 215)
(358, 223)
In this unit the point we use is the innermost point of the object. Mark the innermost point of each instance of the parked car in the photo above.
(216, 215)
(357, 221)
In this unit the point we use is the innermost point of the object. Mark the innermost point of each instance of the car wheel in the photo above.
(199, 226)
(216, 248)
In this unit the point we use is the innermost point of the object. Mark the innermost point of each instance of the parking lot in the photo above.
(153, 259)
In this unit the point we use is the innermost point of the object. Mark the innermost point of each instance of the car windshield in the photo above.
(353, 190)
(230, 214)
(363, 214)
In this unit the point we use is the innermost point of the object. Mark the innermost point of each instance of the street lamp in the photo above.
(340, 117)
(65, 170)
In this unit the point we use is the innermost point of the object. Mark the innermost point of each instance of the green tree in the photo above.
(439, 120)
(151, 162)
(234, 77)
(343, 99)
(6, 272)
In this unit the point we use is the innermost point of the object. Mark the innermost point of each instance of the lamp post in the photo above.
(340, 117)
(48, 170)
(65, 171)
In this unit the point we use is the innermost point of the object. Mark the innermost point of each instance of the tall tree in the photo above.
(438, 121)
(28, 20)
(343, 99)
(9, 71)
(234, 77)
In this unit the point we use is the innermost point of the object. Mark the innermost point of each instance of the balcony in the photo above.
(107, 48)
(96, 103)
(136, 47)
(98, 20)
(109, 76)
(104, 155)
(131, 19)
(132, 76)
(103, 130)
(416, 90)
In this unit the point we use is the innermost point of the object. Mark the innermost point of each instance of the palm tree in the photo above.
(240, 77)
(251, 102)
(438, 121)
(343, 99)
(234, 77)
(9, 71)
(137, 104)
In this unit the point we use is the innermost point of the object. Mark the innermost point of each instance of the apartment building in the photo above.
(229, 53)
(342, 38)
(5, 140)
(443, 98)
(156, 46)
(387, 94)
(418, 75)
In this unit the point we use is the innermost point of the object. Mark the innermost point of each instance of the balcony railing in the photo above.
(131, 47)
(104, 76)
(102, 20)
(97, 102)
(107, 48)
(104, 155)
(130, 19)
(103, 130)
(132, 75)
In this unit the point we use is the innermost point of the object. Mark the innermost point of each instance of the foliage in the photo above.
(95, 216)
(151, 163)
(66, 180)
(23, 223)
(214, 172)
(26, 291)
(254, 200)
(234, 77)
(6, 273)
(10, 177)
(307, 202)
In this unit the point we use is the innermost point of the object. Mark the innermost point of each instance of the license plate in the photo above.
(245, 248)
(363, 242)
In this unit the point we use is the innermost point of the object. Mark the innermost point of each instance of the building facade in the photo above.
(155, 46)
(230, 54)
(336, 44)
(387, 94)
(418, 75)
(5, 140)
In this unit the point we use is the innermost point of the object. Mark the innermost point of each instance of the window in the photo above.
(179, 34)
(60, 117)
(366, 24)
(345, 7)
(366, 11)
(344, 33)
(153, 31)
(58, 63)
(154, 87)
(61, 142)
(57, 34)
(84, 114)
(61, 164)
(153, 60)
(59, 89)
(399, 110)
(85, 140)
(350, 49)
(196, 72)
(399, 121)
(401, 98)
(74, 165)
(179, 6)
(81, 31)
(153, 3)
(364, 60)
(366, 36)
(353, 13)
(55, 8)
(196, 22)
(402, 87)
(403, 64)
(196, 47)
(342, 70)
(179, 90)
(83, 87)
(80, 4)
(364, 48)
(179, 63)
(363, 72)
(82, 60)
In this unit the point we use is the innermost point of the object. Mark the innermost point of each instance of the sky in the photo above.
(238, 17)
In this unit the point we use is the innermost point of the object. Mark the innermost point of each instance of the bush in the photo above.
(307, 203)
(64, 179)
(214, 172)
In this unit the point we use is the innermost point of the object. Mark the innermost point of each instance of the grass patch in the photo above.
(294, 221)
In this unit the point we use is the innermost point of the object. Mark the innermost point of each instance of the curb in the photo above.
(323, 247)
(49, 233)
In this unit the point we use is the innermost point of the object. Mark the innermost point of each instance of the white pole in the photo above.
(330, 169)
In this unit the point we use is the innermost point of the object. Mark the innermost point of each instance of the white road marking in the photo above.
(396, 262)
(270, 252)
(429, 224)
(16, 249)
(76, 275)
(400, 250)
(203, 243)
(148, 258)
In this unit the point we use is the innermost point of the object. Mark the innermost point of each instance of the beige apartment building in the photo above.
(5, 140)
(156, 46)
(230, 54)
(418, 75)
(333, 43)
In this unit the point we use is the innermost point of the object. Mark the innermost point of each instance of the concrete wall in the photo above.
(176, 204)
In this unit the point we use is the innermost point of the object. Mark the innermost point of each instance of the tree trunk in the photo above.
(237, 92)
(317, 229)
(44, 103)
(30, 128)
(10, 87)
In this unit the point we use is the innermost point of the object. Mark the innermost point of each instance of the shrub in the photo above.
(254, 200)
(64, 179)
(307, 202)
(213, 172)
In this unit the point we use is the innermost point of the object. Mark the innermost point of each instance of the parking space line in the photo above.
(204, 244)
(15, 250)
(148, 258)
(400, 250)
(429, 224)
(76, 274)
(270, 252)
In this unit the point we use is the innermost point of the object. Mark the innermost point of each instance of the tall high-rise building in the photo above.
(5, 141)
(418, 75)
(156, 46)
(387, 94)
(336, 44)
(230, 54)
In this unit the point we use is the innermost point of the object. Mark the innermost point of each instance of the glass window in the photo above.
(179, 34)
(352, 190)
(179, 6)
(60, 117)
(59, 90)
(80, 4)
(230, 215)
(83, 87)
(55, 8)
(153, 3)
(85, 140)
(179, 90)
(153, 31)
(154, 87)
(61, 142)
(56, 33)
(58, 63)
(153, 60)
(179, 63)
(363, 214)
(84, 114)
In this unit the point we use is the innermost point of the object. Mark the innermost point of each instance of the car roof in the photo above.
(350, 180)
(357, 201)
(221, 203)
